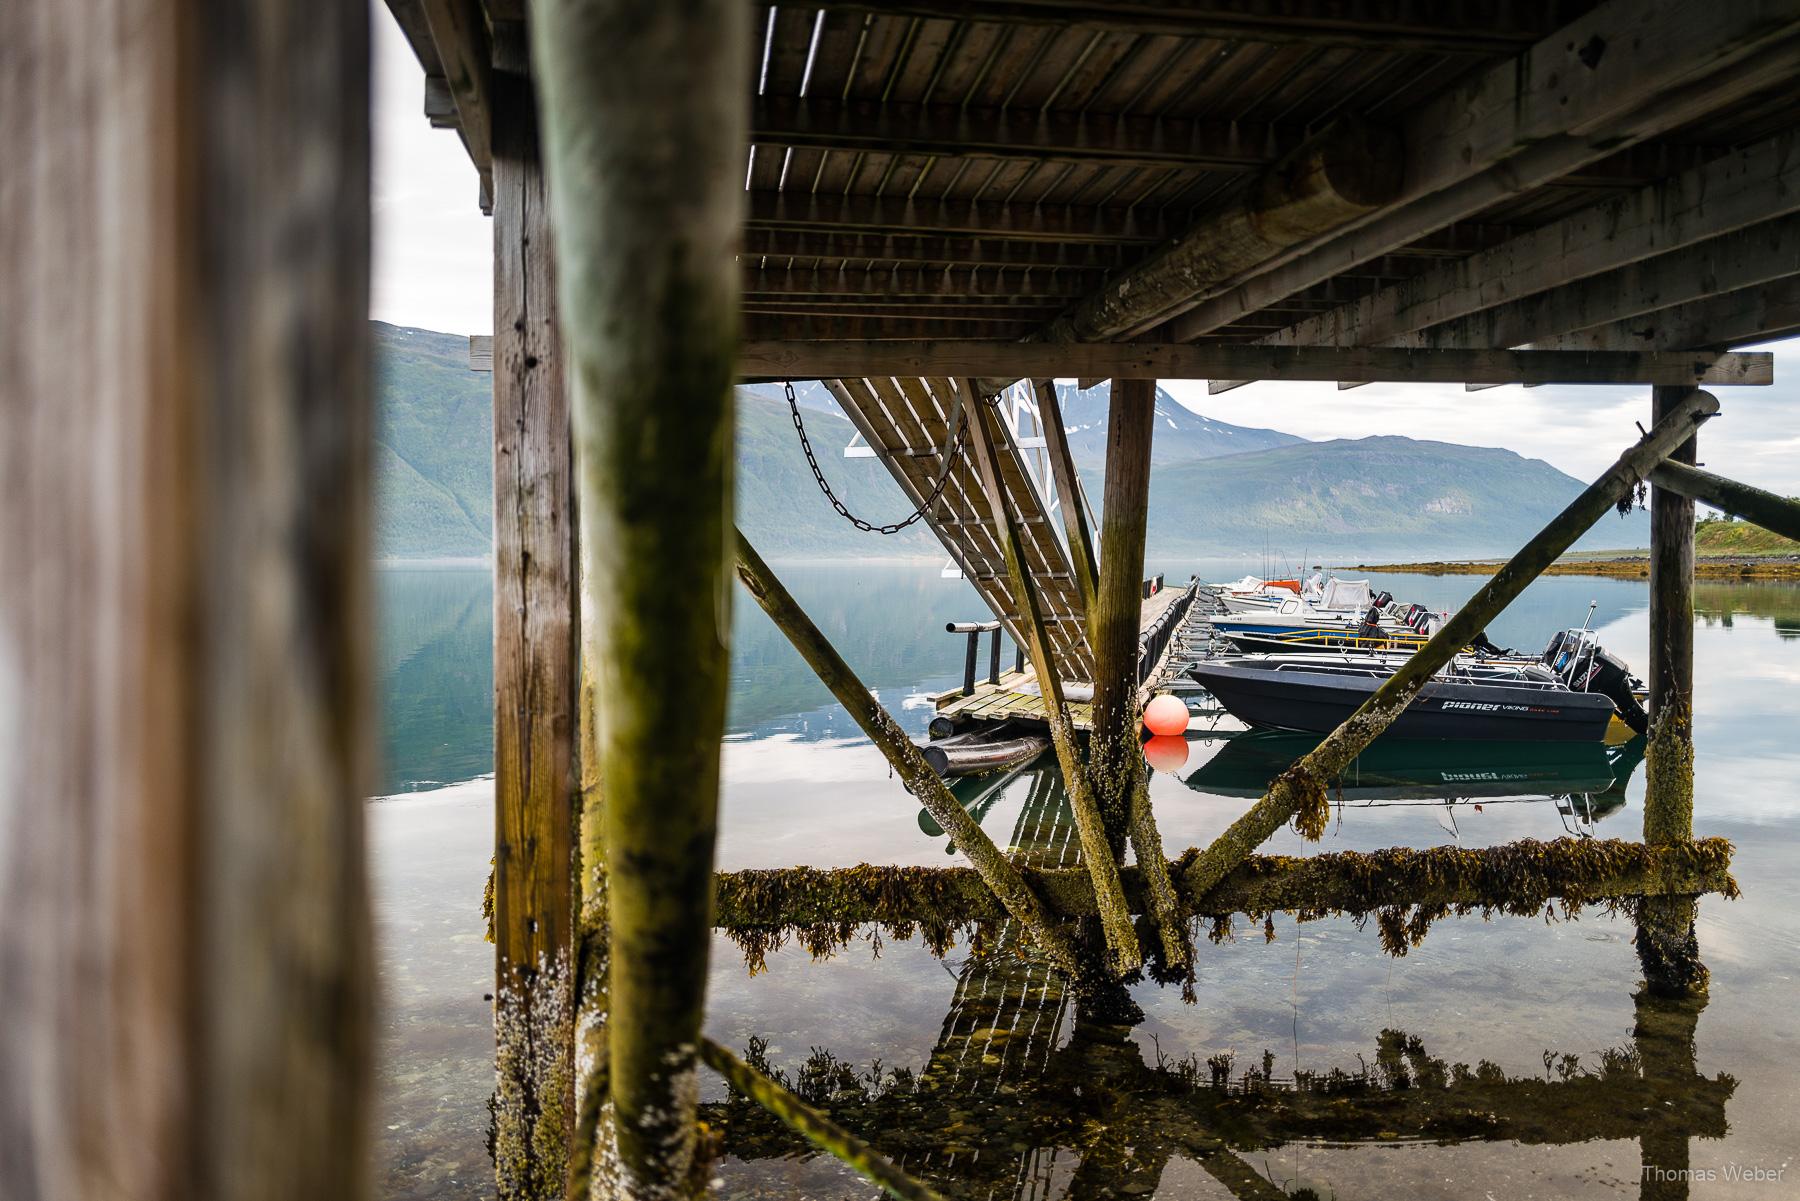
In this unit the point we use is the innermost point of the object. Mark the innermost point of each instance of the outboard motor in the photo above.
(1605, 673)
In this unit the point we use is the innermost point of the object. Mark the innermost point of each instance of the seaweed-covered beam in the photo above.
(996, 872)
(1098, 853)
(1519, 877)
(1301, 789)
(642, 162)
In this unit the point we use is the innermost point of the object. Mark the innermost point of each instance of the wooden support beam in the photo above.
(648, 286)
(995, 870)
(1751, 185)
(901, 215)
(1756, 255)
(1300, 791)
(765, 247)
(1414, 25)
(460, 33)
(1141, 360)
(815, 327)
(1115, 746)
(1778, 514)
(186, 652)
(896, 127)
(1098, 852)
(1519, 877)
(1526, 123)
(535, 672)
(1666, 943)
(1068, 489)
(1350, 170)
(1740, 318)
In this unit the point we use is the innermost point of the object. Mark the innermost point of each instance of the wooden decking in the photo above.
(1007, 700)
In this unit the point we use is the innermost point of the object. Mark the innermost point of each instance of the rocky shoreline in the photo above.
(1632, 566)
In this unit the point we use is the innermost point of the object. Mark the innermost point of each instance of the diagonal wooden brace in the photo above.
(996, 870)
(1301, 789)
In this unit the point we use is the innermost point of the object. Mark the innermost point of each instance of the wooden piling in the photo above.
(1115, 766)
(1098, 850)
(535, 666)
(995, 870)
(1666, 943)
(644, 161)
(185, 623)
(1302, 788)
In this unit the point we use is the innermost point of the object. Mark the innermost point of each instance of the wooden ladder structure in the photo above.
(909, 423)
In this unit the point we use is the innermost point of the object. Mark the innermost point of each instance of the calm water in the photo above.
(1503, 1058)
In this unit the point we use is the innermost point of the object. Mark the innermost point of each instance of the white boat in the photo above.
(1252, 594)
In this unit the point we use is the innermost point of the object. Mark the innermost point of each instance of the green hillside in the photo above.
(1715, 535)
(1365, 495)
(434, 465)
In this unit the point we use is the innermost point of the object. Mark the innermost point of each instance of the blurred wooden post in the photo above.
(645, 164)
(536, 669)
(185, 720)
(1666, 943)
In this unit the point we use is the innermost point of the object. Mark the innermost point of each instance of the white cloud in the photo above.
(433, 249)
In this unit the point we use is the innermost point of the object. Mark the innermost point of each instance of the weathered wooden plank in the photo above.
(1068, 488)
(459, 30)
(860, 248)
(1775, 513)
(1140, 360)
(832, 213)
(536, 671)
(185, 650)
(899, 285)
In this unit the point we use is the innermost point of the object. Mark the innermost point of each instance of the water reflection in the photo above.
(1021, 1097)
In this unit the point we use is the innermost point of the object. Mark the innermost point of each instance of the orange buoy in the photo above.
(1166, 714)
(1166, 753)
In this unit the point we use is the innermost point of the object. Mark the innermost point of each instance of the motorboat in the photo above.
(1253, 594)
(1570, 693)
(1347, 609)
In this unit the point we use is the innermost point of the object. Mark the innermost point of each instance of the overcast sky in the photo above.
(433, 269)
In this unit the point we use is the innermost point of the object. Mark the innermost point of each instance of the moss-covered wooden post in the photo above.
(997, 873)
(1097, 849)
(1666, 943)
(1300, 791)
(1115, 751)
(644, 118)
(1068, 491)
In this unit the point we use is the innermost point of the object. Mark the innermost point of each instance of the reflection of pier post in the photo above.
(1664, 1036)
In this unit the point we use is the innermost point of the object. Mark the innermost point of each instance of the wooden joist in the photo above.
(1627, 71)
(779, 247)
(1751, 185)
(1739, 318)
(1409, 25)
(459, 32)
(980, 218)
(1127, 360)
(894, 127)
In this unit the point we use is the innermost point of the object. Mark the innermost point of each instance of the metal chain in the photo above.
(892, 527)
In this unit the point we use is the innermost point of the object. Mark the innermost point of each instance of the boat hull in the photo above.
(1317, 704)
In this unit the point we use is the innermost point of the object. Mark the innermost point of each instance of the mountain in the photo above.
(1218, 490)
(434, 464)
(1182, 435)
(1374, 495)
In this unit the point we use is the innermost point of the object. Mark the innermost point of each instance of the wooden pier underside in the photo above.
(1007, 700)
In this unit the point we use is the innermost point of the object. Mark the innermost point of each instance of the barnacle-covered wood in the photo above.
(1518, 878)
(1299, 793)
